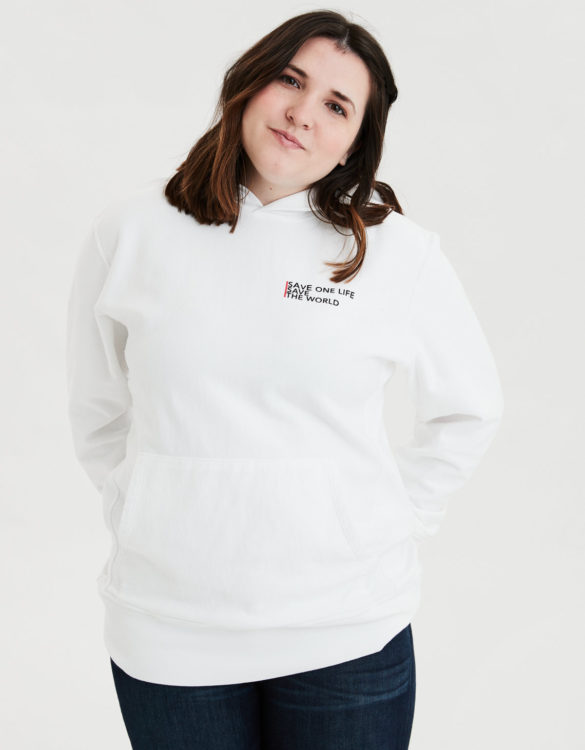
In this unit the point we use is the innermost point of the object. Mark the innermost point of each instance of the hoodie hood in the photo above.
(294, 202)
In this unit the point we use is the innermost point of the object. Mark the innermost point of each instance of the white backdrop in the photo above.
(484, 146)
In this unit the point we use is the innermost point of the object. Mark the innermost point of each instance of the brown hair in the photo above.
(206, 183)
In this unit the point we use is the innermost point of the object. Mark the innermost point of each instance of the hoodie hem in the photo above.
(187, 654)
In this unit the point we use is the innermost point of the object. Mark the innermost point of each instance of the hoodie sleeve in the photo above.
(455, 387)
(99, 403)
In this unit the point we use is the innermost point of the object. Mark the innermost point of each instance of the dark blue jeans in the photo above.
(361, 704)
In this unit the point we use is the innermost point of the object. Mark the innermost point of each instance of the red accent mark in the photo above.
(285, 288)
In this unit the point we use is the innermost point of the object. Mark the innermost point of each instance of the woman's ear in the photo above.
(351, 150)
(346, 157)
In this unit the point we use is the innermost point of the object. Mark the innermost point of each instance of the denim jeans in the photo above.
(361, 704)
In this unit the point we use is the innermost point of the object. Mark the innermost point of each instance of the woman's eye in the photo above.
(342, 112)
(290, 78)
(341, 108)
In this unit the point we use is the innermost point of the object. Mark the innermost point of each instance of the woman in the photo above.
(226, 399)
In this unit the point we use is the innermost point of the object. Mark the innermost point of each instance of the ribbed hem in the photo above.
(186, 654)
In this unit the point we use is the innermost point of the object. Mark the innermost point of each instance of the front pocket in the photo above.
(237, 542)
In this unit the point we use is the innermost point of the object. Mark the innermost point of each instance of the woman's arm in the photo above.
(454, 383)
(99, 399)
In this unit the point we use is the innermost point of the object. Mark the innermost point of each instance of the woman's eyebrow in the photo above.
(338, 94)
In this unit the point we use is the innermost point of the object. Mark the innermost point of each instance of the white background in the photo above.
(483, 146)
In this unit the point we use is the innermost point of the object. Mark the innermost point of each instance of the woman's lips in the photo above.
(285, 141)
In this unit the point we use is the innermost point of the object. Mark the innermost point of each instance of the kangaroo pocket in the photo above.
(237, 542)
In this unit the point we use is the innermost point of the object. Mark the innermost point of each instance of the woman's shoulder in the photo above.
(400, 234)
(130, 211)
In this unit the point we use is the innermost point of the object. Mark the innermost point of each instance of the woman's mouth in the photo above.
(284, 141)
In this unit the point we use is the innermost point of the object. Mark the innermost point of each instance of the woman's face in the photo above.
(305, 107)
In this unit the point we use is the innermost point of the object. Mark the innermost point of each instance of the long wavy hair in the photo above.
(205, 185)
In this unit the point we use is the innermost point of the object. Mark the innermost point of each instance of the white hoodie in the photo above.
(226, 399)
